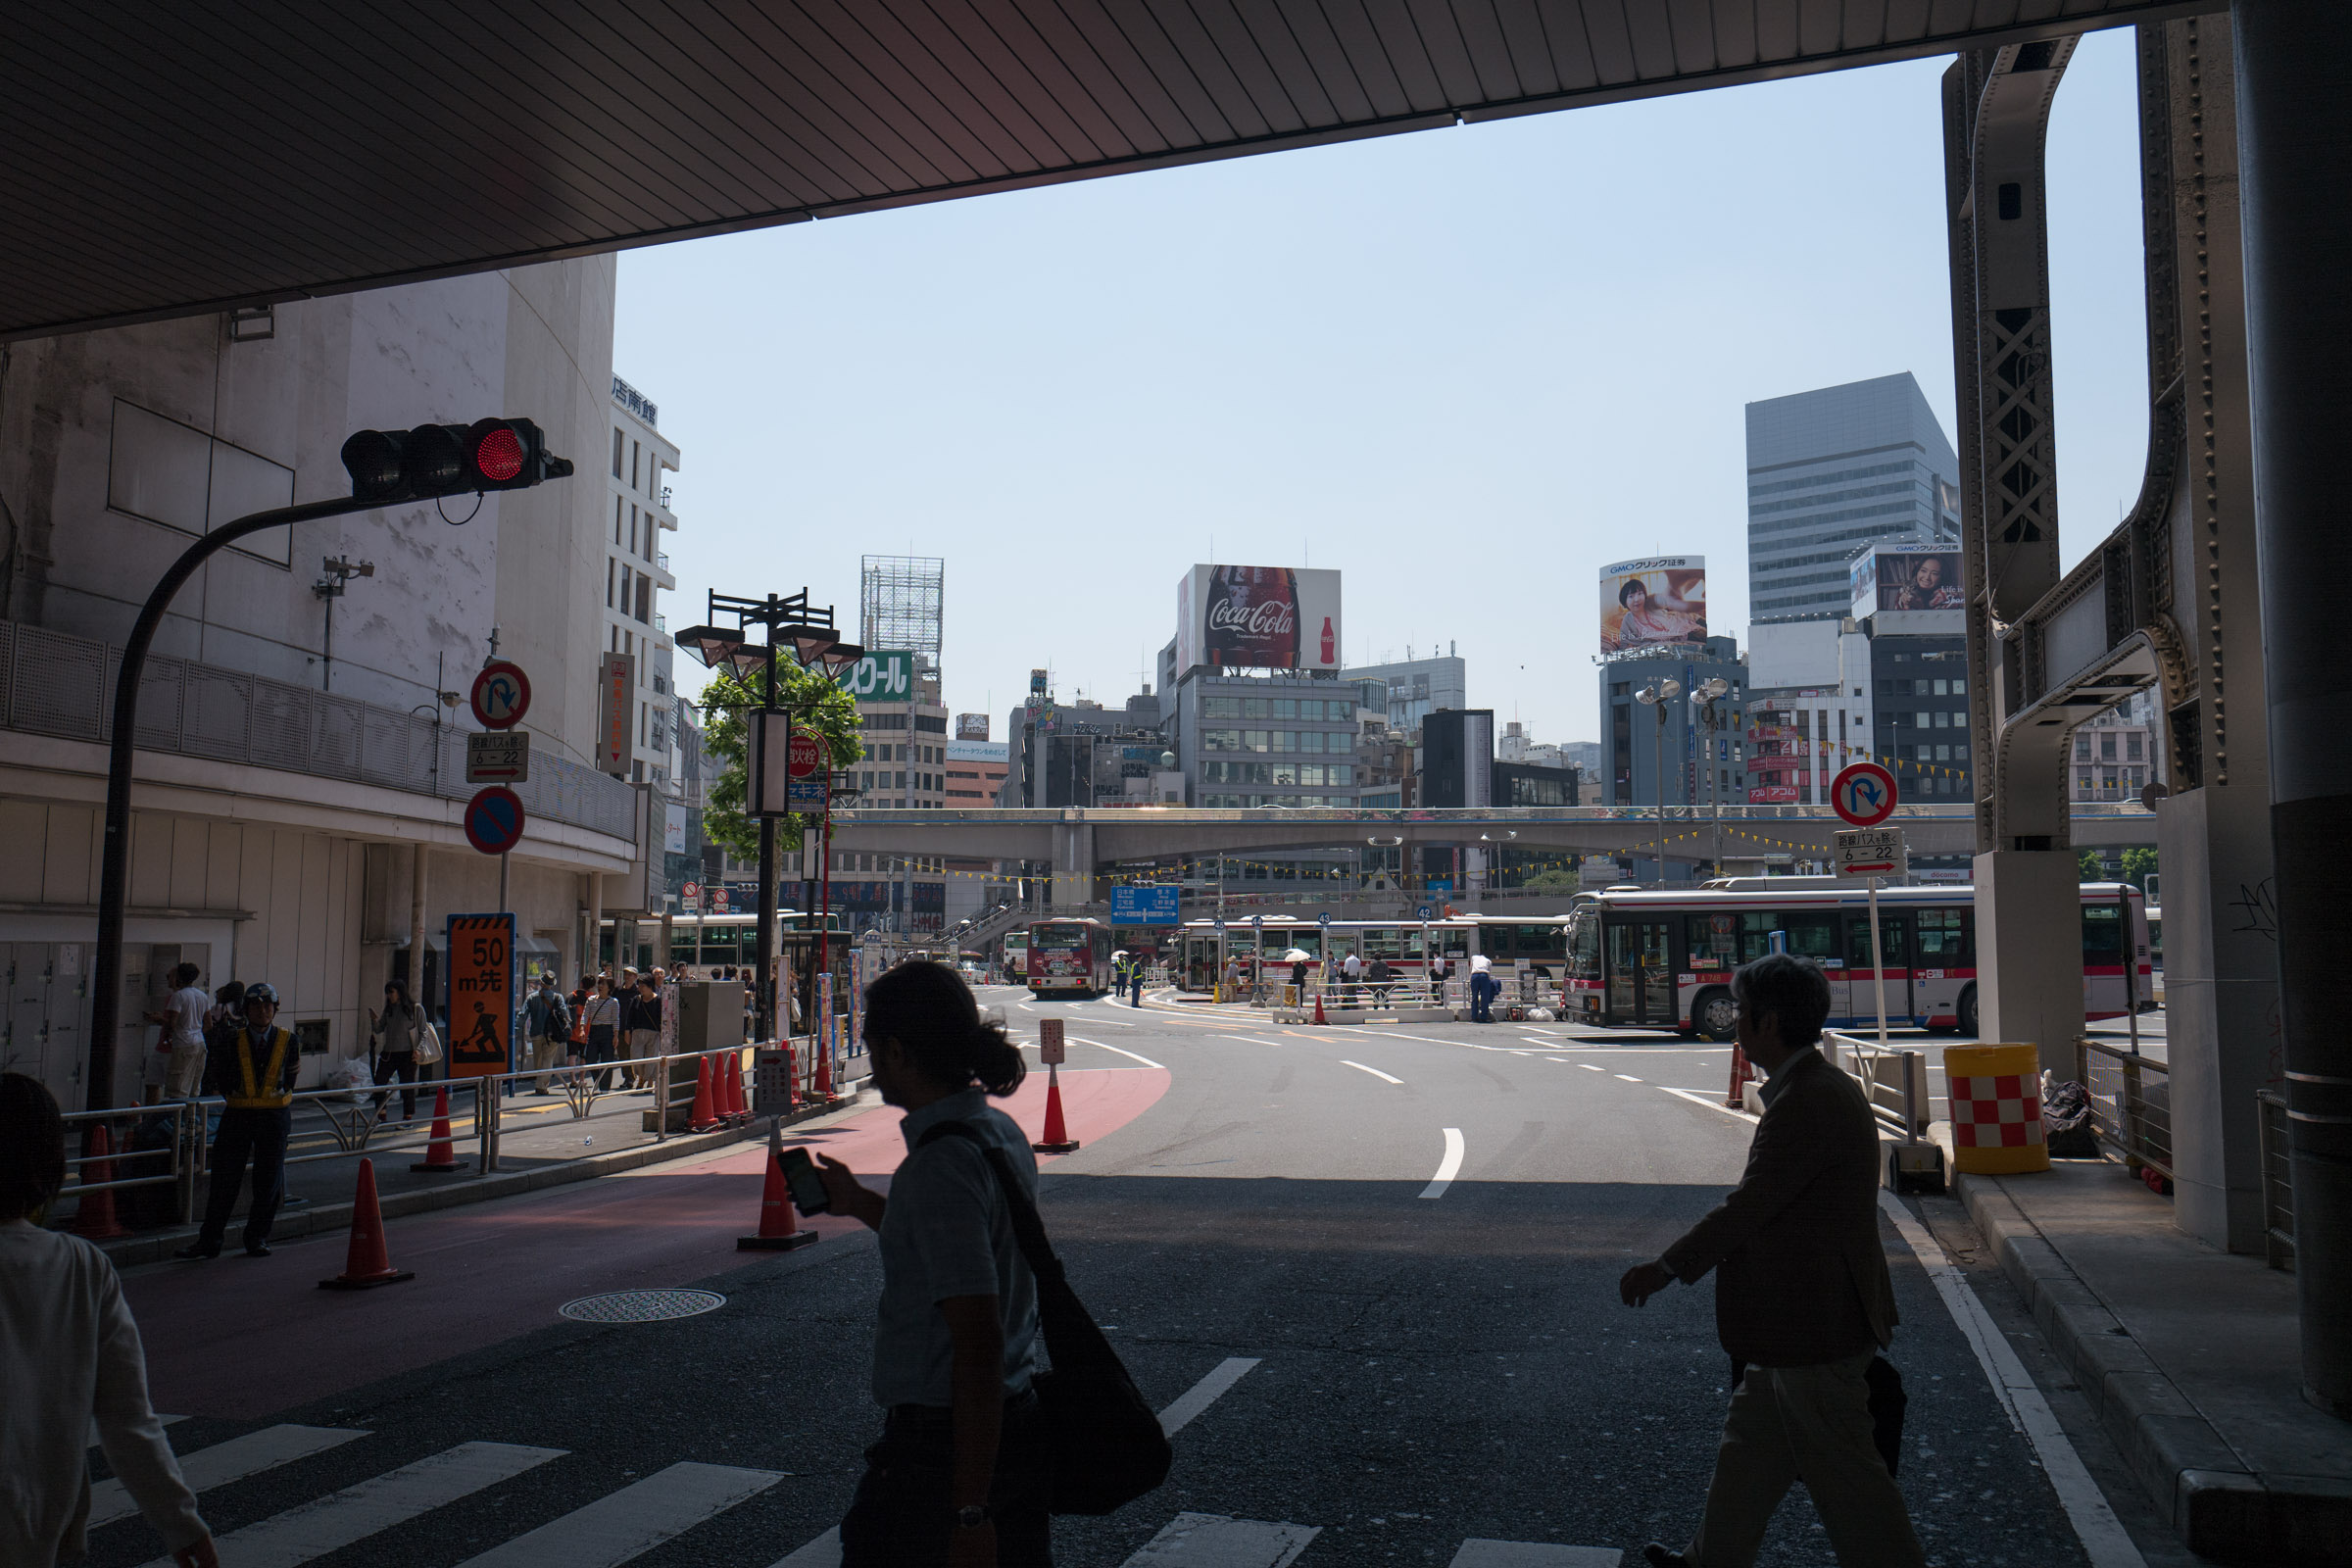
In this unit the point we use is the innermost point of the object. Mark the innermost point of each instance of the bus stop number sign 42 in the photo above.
(1864, 795)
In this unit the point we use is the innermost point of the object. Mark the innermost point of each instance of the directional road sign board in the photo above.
(498, 757)
(501, 695)
(1143, 905)
(1879, 852)
(493, 820)
(1863, 795)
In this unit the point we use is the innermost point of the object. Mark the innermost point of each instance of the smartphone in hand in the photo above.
(808, 1185)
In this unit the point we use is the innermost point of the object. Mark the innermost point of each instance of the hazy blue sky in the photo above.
(1468, 366)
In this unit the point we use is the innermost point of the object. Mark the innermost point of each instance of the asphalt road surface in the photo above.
(1371, 1270)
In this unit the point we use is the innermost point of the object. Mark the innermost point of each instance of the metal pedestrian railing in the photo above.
(2130, 1103)
(2278, 1180)
(1894, 1078)
(346, 1123)
(173, 1159)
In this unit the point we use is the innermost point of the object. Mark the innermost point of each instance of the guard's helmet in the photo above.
(261, 991)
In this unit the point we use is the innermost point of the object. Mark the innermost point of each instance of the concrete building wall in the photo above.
(120, 448)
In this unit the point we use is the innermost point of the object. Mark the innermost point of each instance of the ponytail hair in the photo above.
(931, 1014)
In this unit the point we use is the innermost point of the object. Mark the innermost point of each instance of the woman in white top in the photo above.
(70, 1356)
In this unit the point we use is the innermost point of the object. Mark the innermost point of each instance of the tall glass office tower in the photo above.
(1832, 469)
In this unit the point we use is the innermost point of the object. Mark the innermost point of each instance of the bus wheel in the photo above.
(1968, 1011)
(1717, 1015)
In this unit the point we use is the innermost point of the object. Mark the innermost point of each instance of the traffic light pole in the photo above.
(113, 874)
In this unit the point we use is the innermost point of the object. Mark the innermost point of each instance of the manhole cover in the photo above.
(640, 1307)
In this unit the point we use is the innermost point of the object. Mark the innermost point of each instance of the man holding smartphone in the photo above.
(961, 1476)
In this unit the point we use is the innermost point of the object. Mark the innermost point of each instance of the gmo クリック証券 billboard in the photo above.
(1258, 618)
(1662, 599)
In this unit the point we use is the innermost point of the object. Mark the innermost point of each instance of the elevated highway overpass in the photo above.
(1078, 843)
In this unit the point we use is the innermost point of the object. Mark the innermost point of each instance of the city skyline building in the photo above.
(637, 572)
(1418, 687)
(1831, 468)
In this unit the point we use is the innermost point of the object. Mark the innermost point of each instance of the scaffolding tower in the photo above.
(899, 605)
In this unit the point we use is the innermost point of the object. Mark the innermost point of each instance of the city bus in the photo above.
(1015, 965)
(1665, 959)
(1539, 943)
(1069, 957)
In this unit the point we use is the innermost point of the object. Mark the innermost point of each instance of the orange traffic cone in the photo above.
(1742, 1074)
(779, 1232)
(1058, 1139)
(95, 1219)
(1319, 1018)
(703, 1116)
(822, 1090)
(366, 1264)
(440, 1152)
(737, 1112)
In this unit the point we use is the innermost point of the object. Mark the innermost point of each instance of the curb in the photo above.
(2218, 1506)
(316, 1219)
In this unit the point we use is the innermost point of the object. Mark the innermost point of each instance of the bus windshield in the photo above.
(1057, 938)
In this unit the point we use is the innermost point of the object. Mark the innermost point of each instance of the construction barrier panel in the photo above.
(1996, 1108)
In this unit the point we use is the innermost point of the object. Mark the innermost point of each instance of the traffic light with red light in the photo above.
(450, 460)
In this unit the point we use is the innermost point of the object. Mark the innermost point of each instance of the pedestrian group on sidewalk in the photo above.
(979, 1447)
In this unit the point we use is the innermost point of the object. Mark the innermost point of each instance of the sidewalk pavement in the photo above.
(541, 1144)
(2190, 1357)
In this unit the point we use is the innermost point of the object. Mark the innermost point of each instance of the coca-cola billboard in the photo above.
(1258, 618)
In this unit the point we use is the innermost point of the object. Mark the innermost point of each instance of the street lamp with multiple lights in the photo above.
(1703, 704)
(1660, 694)
(808, 637)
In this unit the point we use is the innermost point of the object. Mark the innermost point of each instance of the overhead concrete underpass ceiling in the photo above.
(170, 159)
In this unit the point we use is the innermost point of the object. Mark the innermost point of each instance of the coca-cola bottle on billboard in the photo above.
(1330, 654)
(1252, 618)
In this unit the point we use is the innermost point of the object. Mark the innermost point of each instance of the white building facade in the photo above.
(300, 766)
(637, 570)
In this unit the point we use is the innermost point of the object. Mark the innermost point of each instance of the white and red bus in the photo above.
(1665, 959)
(1069, 957)
(1538, 942)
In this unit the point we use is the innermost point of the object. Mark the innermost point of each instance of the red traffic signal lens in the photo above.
(499, 453)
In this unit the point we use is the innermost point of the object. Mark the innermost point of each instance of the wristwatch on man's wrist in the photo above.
(972, 1516)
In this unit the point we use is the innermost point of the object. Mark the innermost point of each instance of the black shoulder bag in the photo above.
(1106, 1443)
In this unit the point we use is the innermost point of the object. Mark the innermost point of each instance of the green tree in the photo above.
(824, 708)
(2140, 865)
(2093, 869)
(1555, 880)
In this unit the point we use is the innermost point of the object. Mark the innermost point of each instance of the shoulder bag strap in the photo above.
(1028, 1230)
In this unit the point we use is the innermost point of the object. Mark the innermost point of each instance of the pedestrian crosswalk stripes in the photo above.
(224, 1462)
(313, 1529)
(1533, 1554)
(633, 1520)
(1214, 1540)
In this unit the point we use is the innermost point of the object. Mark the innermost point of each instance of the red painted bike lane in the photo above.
(245, 1337)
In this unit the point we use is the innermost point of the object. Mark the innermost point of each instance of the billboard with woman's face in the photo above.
(1898, 582)
(1662, 599)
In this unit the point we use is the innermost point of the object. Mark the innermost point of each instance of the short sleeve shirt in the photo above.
(188, 1008)
(949, 1233)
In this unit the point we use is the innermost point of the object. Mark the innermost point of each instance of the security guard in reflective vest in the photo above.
(256, 1076)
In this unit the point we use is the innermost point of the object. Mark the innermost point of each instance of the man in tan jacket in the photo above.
(1801, 1296)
